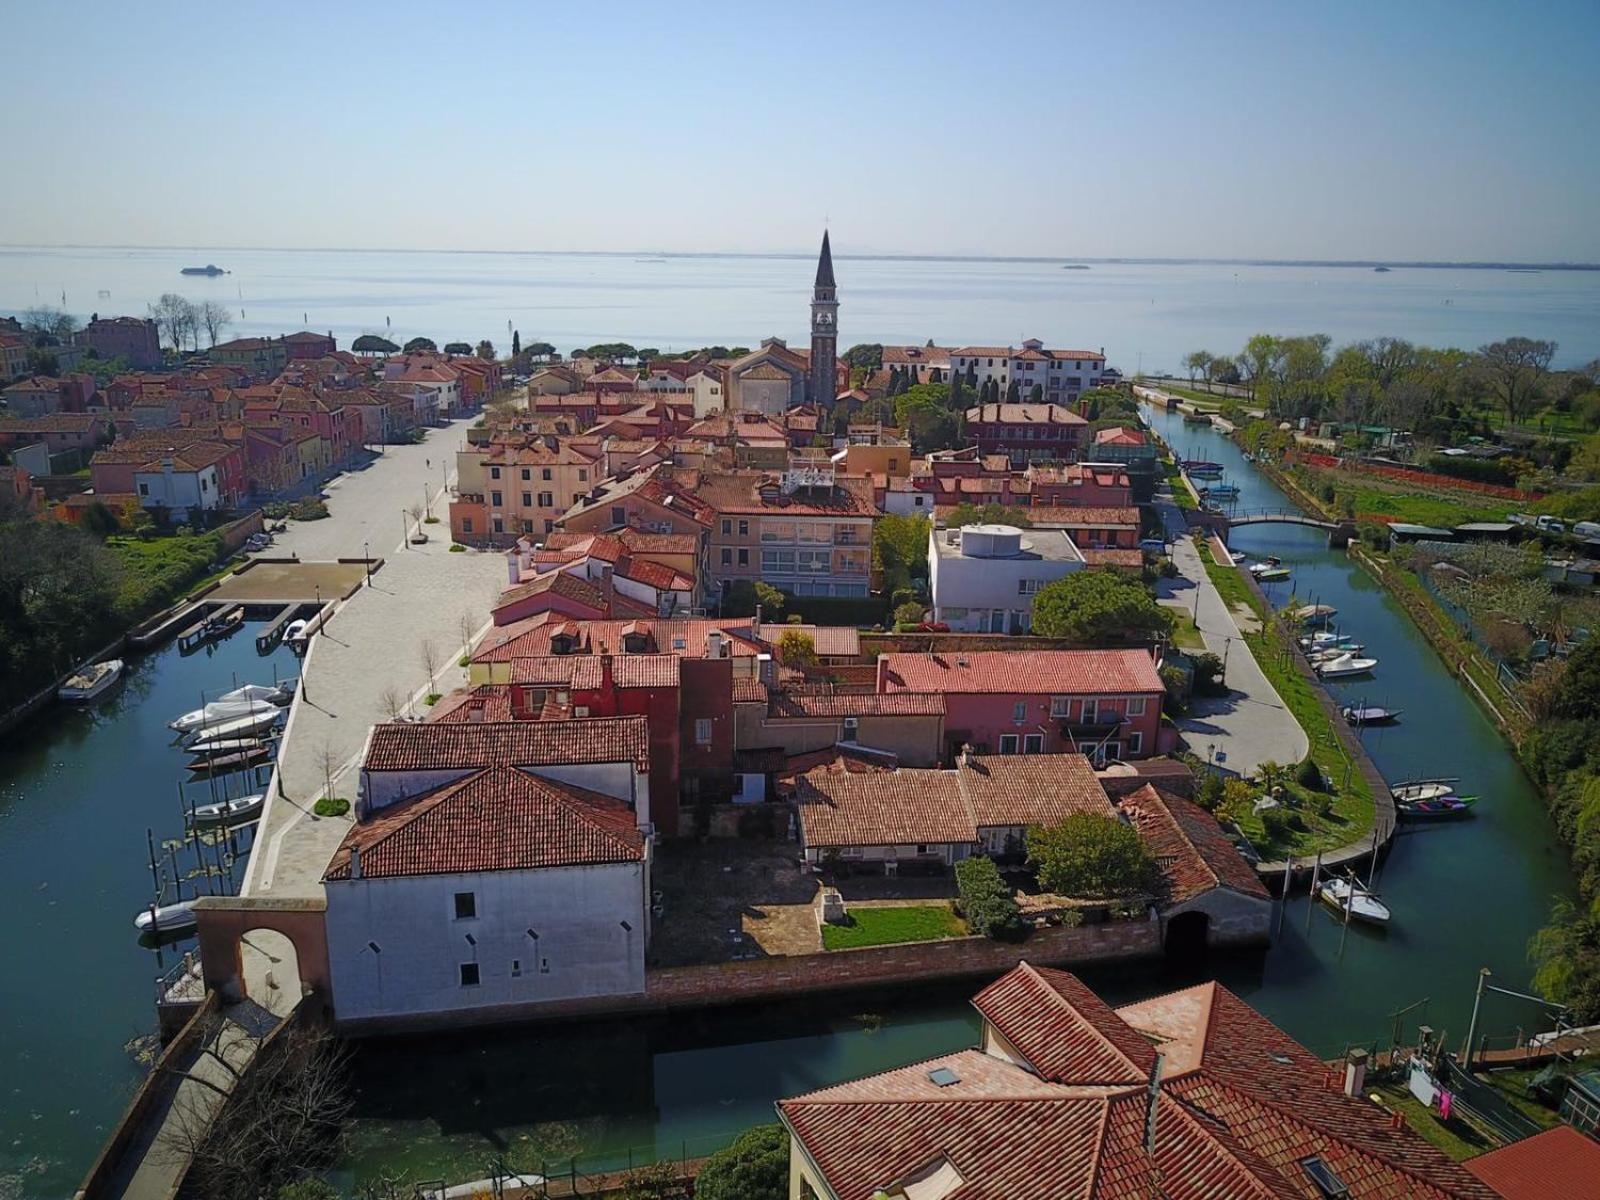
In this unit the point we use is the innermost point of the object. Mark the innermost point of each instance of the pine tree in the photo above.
(516, 343)
(972, 375)
(1037, 394)
(1014, 392)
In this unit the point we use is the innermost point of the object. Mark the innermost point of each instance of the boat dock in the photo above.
(273, 633)
(219, 623)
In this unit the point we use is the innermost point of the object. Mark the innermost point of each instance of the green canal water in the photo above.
(76, 792)
(78, 789)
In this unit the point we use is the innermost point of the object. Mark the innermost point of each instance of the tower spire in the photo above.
(825, 264)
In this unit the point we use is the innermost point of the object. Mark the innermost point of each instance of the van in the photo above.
(1550, 525)
(1587, 529)
(1153, 545)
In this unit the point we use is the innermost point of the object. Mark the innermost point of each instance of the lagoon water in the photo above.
(1145, 315)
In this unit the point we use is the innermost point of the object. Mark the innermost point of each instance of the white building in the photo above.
(496, 866)
(984, 577)
(183, 482)
(1060, 374)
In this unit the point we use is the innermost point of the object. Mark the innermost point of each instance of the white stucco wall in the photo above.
(977, 587)
(577, 913)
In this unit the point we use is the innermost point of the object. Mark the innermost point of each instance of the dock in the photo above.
(273, 633)
(225, 620)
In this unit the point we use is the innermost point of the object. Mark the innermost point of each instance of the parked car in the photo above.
(1153, 545)
(1550, 525)
(1587, 529)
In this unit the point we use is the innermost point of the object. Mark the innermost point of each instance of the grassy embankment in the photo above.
(1370, 497)
(159, 571)
(1348, 814)
(886, 926)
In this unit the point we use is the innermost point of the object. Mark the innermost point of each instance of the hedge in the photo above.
(838, 610)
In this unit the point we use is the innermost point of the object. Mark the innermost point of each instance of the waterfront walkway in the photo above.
(1251, 724)
(368, 662)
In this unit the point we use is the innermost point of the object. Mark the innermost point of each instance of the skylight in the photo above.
(1321, 1174)
(943, 1076)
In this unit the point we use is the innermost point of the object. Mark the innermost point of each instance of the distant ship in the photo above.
(208, 269)
(1074, 267)
(1380, 270)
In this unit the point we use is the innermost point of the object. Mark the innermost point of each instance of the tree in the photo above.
(754, 1167)
(909, 613)
(417, 344)
(1036, 393)
(987, 902)
(1515, 369)
(1566, 954)
(1197, 363)
(1092, 856)
(42, 321)
(901, 542)
(428, 651)
(797, 649)
(1013, 392)
(868, 355)
(516, 343)
(486, 350)
(213, 318)
(458, 347)
(371, 343)
(308, 1189)
(174, 317)
(540, 351)
(1094, 607)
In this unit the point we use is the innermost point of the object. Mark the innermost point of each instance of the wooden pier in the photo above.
(273, 633)
(221, 622)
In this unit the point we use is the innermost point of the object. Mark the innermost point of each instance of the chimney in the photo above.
(964, 756)
(355, 862)
(514, 566)
(714, 644)
(755, 623)
(1355, 1072)
(605, 674)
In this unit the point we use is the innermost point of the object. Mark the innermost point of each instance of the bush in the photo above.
(1208, 674)
(1089, 855)
(1478, 470)
(331, 806)
(1279, 824)
(1210, 794)
(986, 900)
(1309, 776)
(308, 1189)
(754, 1167)
(457, 548)
(909, 613)
(309, 509)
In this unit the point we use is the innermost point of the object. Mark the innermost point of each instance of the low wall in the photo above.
(788, 977)
(104, 1174)
(237, 533)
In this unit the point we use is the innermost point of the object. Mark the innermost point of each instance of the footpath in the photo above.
(1251, 724)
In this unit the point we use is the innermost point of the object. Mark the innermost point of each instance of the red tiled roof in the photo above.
(899, 704)
(1126, 559)
(486, 702)
(1023, 414)
(654, 575)
(580, 671)
(1066, 1032)
(1119, 436)
(500, 819)
(446, 747)
(1195, 855)
(749, 690)
(559, 583)
(1085, 517)
(1558, 1164)
(1023, 672)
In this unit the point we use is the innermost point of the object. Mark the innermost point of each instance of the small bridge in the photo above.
(1283, 516)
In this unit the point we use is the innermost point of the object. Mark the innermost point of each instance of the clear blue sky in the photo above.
(1273, 130)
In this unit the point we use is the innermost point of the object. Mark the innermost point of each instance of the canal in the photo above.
(1464, 896)
(78, 789)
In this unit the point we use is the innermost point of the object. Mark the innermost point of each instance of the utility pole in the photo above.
(1472, 1027)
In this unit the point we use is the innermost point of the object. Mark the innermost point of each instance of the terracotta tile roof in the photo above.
(983, 351)
(749, 690)
(446, 747)
(917, 356)
(558, 583)
(1090, 355)
(196, 456)
(740, 492)
(53, 423)
(1126, 559)
(1558, 1164)
(1077, 1127)
(1120, 436)
(1195, 855)
(578, 671)
(1023, 672)
(654, 575)
(1023, 414)
(1084, 517)
(486, 702)
(500, 819)
(1031, 789)
(899, 704)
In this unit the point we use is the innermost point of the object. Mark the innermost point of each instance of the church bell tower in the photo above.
(821, 384)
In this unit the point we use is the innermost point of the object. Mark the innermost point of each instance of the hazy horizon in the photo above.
(1429, 132)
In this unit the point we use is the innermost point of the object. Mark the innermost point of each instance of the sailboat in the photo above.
(1342, 894)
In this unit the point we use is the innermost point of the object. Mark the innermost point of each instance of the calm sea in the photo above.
(1145, 315)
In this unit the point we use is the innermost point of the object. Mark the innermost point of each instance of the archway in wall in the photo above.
(1186, 936)
(271, 968)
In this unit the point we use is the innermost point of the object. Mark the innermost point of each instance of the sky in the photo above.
(1441, 131)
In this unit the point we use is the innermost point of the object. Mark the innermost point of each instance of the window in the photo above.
(1008, 743)
(466, 524)
(744, 528)
(1019, 711)
(583, 474)
(466, 905)
(1136, 743)
(1060, 707)
(526, 475)
(144, 489)
(469, 974)
(727, 528)
(546, 500)
(777, 561)
(702, 731)
(1033, 743)
(727, 556)
(499, 525)
(496, 499)
(852, 727)
(516, 968)
(744, 557)
(1027, 587)
(619, 516)
(527, 499)
(1136, 706)
(544, 474)
(494, 472)
(1091, 712)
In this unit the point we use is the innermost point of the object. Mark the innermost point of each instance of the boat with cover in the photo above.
(90, 681)
(252, 698)
(234, 760)
(1328, 653)
(1422, 789)
(1221, 491)
(1369, 714)
(1342, 894)
(168, 918)
(1315, 614)
(252, 725)
(1345, 665)
(1440, 808)
(216, 747)
(230, 812)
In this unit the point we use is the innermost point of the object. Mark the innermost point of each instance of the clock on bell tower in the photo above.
(821, 383)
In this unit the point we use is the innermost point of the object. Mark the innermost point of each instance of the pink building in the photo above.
(1103, 703)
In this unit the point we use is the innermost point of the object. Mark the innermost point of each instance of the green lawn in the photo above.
(1455, 1137)
(1350, 817)
(886, 926)
(1185, 634)
(158, 571)
(1371, 498)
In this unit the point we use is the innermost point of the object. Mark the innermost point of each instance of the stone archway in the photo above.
(243, 940)
(1187, 936)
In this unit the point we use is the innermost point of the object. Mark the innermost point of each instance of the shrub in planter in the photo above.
(331, 806)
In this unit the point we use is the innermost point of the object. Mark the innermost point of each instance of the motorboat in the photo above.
(1345, 665)
(1221, 491)
(1207, 472)
(230, 706)
(222, 764)
(1270, 571)
(213, 748)
(1348, 895)
(1324, 638)
(168, 918)
(1315, 614)
(230, 812)
(90, 681)
(1201, 464)
(252, 725)
(1369, 714)
(1238, 556)
(295, 633)
(1440, 808)
(1328, 653)
(1422, 789)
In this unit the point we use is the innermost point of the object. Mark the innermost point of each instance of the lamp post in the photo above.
(405, 530)
(366, 561)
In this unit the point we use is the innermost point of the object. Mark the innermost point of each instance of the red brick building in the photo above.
(1027, 433)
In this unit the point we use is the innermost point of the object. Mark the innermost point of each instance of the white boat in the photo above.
(247, 726)
(1266, 574)
(1238, 556)
(1344, 665)
(1428, 789)
(1339, 894)
(221, 746)
(90, 681)
(1329, 654)
(169, 918)
(295, 633)
(1315, 614)
(1324, 638)
(230, 812)
(249, 700)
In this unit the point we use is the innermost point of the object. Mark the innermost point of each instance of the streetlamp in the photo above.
(366, 561)
(405, 530)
